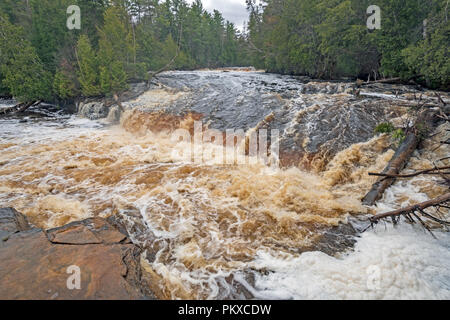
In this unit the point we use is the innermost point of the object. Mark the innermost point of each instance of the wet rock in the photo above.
(135, 90)
(336, 239)
(315, 119)
(11, 222)
(113, 114)
(89, 231)
(93, 110)
(34, 263)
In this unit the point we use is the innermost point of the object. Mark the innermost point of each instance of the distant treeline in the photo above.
(119, 41)
(125, 40)
(330, 39)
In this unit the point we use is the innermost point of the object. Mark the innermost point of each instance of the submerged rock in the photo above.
(34, 264)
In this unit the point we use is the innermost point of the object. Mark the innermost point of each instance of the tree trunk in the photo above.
(18, 108)
(400, 158)
(417, 207)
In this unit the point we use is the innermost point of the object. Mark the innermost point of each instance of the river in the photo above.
(247, 229)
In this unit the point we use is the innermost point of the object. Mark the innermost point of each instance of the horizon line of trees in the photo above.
(329, 39)
(120, 41)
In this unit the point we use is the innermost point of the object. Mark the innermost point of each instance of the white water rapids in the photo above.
(236, 231)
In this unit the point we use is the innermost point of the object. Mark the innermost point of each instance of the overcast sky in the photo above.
(233, 10)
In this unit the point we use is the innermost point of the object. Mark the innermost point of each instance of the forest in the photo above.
(118, 42)
(330, 39)
(121, 41)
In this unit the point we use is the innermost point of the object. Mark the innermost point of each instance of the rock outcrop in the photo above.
(11, 222)
(39, 264)
(93, 110)
(106, 107)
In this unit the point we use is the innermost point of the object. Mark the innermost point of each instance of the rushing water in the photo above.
(237, 230)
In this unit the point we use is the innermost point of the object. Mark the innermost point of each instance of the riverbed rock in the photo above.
(93, 110)
(35, 264)
(134, 91)
(11, 222)
(113, 114)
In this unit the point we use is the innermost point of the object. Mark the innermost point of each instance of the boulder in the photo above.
(37, 264)
(93, 110)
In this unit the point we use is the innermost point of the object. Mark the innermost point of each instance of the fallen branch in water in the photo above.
(390, 80)
(21, 107)
(413, 213)
(410, 175)
(401, 157)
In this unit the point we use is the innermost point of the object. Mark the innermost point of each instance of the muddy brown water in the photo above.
(208, 229)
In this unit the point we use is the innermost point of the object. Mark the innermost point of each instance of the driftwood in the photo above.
(391, 80)
(415, 212)
(410, 175)
(21, 107)
(400, 158)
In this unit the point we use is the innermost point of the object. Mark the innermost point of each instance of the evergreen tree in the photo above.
(88, 68)
(116, 51)
(22, 71)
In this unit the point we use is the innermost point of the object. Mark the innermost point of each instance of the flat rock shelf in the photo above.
(35, 264)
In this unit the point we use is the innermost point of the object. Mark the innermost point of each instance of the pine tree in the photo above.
(88, 68)
(115, 51)
(22, 71)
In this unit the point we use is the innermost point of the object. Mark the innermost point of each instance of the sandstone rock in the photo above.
(11, 222)
(34, 263)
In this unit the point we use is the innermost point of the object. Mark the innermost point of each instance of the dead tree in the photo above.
(437, 170)
(391, 80)
(417, 213)
(19, 108)
(401, 156)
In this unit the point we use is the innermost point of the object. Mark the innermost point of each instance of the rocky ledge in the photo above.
(39, 264)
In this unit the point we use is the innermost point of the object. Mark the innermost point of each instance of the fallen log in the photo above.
(390, 80)
(414, 212)
(401, 157)
(410, 175)
(18, 108)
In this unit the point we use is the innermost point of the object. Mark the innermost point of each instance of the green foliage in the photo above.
(398, 136)
(64, 85)
(430, 58)
(113, 78)
(87, 68)
(48, 29)
(385, 127)
(122, 40)
(329, 39)
(422, 130)
(119, 41)
(22, 71)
